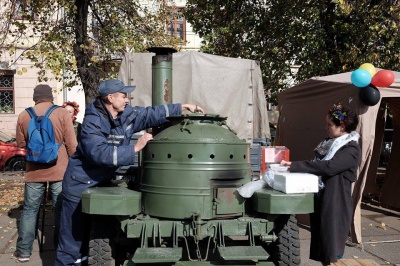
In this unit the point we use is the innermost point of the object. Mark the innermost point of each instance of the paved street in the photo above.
(380, 229)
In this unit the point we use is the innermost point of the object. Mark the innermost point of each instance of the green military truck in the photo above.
(179, 204)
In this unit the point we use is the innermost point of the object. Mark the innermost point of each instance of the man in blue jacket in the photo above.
(107, 129)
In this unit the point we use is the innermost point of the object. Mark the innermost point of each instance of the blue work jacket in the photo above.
(105, 144)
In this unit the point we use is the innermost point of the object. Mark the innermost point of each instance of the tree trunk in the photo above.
(89, 73)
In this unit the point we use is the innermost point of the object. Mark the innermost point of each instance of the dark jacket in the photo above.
(105, 144)
(333, 205)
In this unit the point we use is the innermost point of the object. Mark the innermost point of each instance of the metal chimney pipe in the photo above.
(161, 75)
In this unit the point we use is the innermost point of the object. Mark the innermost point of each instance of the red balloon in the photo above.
(383, 78)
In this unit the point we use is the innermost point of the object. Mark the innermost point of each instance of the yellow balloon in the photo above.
(369, 67)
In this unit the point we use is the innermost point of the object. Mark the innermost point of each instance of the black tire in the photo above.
(100, 250)
(286, 250)
(17, 164)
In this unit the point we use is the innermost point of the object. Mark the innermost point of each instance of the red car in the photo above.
(11, 156)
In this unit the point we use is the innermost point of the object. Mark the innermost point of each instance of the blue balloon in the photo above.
(361, 78)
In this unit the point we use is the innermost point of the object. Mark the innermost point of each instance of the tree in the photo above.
(78, 40)
(321, 37)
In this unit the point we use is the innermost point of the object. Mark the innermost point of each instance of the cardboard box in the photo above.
(273, 154)
(295, 182)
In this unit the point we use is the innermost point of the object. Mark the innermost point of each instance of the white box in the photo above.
(295, 182)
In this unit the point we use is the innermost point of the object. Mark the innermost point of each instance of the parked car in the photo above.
(12, 158)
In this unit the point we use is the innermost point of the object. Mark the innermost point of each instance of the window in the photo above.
(7, 92)
(22, 10)
(177, 26)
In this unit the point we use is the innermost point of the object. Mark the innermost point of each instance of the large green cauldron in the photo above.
(192, 169)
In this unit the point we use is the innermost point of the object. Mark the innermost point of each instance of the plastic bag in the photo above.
(248, 189)
(269, 177)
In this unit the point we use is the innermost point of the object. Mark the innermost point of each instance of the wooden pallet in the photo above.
(355, 262)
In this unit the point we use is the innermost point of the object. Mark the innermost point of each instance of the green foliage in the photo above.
(79, 41)
(321, 37)
(350, 34)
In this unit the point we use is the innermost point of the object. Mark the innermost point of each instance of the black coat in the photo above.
(333, 205)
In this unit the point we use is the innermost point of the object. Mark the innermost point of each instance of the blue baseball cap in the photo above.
(112, 86)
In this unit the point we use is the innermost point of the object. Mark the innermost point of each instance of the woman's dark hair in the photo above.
(343, 115)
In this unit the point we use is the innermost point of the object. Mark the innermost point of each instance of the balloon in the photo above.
(370, 95)
(383, 78)
(369, 67)
(361, 78)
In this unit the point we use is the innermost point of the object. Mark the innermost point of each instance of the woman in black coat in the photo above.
(336, 162)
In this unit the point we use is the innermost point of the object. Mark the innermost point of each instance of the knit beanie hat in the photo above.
(41, 92)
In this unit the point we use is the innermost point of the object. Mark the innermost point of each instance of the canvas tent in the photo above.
(230, 87)
(301, 127)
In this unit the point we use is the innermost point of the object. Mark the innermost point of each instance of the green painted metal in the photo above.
(111, 201)
(157, 255)
(223, 202)
(161, 74)
(162, 79)
(243, 253)
(198, 233)
(276, 202)
(193, 168)
(154, 228)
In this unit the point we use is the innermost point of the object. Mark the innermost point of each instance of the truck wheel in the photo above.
(286, 250)
(100, 251)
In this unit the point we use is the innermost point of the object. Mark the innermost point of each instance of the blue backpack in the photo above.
(42, 146)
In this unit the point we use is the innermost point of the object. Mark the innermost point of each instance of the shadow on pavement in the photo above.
(374, 207)
(42, 254)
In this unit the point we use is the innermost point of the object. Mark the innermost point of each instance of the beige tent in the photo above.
(301, 125)
(230, 87)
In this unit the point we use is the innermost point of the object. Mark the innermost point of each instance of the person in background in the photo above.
(104, 146)
(336, 162)
(38, 175)
(73, 109)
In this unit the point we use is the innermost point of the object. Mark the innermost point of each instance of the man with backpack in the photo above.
(49, 137)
